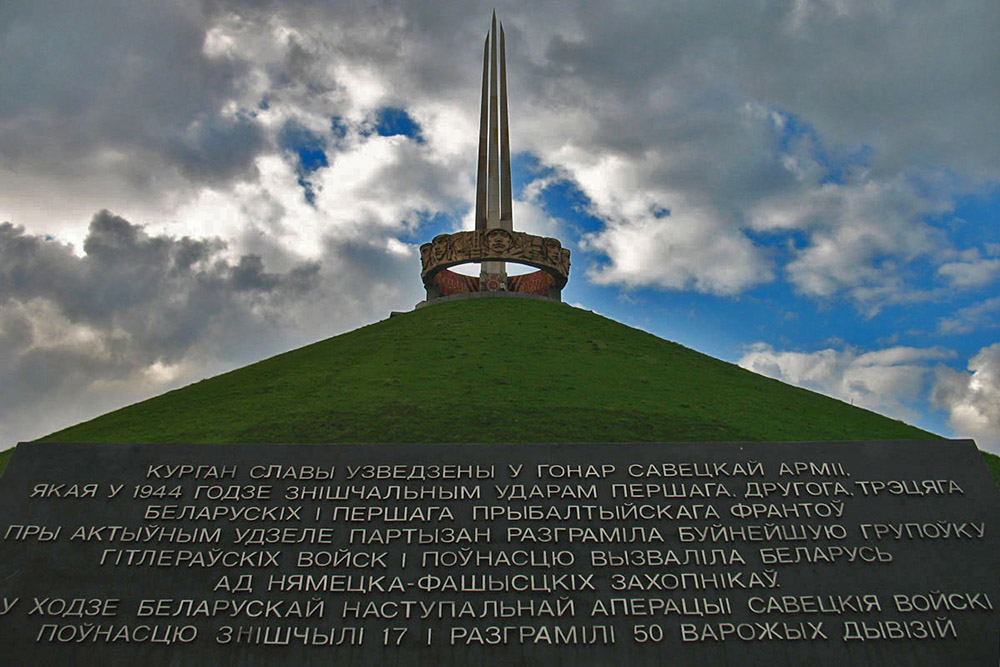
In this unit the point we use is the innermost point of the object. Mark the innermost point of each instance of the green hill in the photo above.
(489, 370)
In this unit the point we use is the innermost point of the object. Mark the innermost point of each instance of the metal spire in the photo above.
(506, 217)
(493, 188)
(483, 130)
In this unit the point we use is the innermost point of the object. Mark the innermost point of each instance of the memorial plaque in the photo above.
(861, 553)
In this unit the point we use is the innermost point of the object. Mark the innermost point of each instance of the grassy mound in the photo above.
(489, 370)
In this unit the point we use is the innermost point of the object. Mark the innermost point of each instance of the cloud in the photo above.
(981, 315)
(974, 273)
(887, 381)
(701, 110)
(862, 238)
(120, 97)
(136, 313)
(156, 295)
(723, 115)
(891, 381)
(689, 249)
(972, 399)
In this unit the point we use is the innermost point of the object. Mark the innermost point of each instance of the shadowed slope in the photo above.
(489, 370)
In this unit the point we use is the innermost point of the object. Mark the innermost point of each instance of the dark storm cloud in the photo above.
(115, 78)
(83, 79)
(137, 299)
(911, 79)
(138, 313)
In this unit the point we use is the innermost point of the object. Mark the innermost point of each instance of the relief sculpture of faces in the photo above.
(535, 251)
(440, 248)
(553, 252)
(495, 243)
(517, 245)
(498, 241)
(460, 245)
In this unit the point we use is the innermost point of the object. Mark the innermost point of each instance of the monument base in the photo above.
(487, 295)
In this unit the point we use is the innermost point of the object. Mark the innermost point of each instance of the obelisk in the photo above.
(494, 243)
(493, 189)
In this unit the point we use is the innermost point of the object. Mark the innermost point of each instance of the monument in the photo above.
(494, 242)
(879, 552)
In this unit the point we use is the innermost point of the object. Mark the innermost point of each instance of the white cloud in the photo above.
(861, 237)
(532, 219)
(891, 381)
(687, 113)
(981, 315)
(689, 249)
(888, 381)
(975, 273)
(972, 399)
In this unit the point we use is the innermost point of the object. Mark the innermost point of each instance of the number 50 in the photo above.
(647, 633)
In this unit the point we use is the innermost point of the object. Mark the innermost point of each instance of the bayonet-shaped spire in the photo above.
(493, 189)
(494, 243)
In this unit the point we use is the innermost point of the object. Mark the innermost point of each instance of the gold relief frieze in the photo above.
(495, 244)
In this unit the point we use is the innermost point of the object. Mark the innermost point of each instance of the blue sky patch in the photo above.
(975, 221)
(338, 128)
(795, 135)
(308, 146)
(525, 167)
(393, 121)
(562, 199)
(428, 226)
(309, 151)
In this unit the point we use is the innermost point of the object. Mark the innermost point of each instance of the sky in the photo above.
(808, 188)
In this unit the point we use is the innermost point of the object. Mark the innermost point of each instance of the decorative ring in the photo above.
(499, 245)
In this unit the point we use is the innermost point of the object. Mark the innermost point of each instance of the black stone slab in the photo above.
(862, 553)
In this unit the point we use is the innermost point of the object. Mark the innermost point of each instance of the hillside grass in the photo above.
(491, 370)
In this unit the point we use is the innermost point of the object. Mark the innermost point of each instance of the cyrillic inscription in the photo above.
(643, 554)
